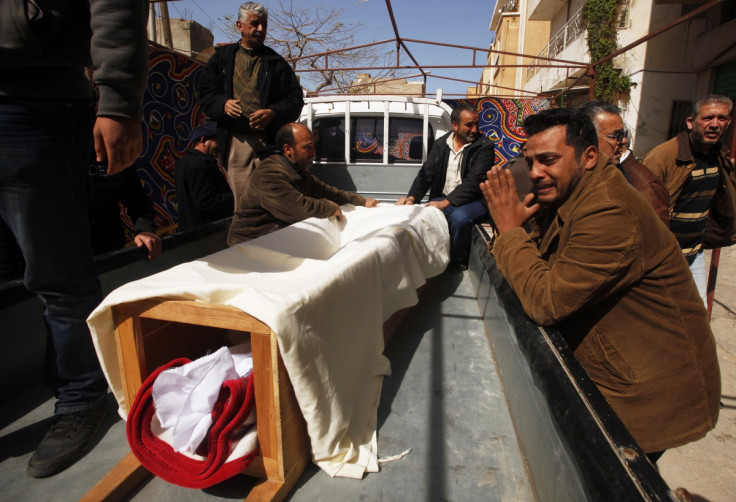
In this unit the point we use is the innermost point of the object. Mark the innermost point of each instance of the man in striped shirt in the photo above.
(699, 175)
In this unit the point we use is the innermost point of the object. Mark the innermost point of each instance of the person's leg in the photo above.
(460, 220)
(43, 200)
(11, 259)
(241, 161)
(699, 275)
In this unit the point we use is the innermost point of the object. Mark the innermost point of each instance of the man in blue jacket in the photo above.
(453, 172)
(251, 91)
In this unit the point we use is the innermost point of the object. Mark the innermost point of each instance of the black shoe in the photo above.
(69, 438)
(456, 267)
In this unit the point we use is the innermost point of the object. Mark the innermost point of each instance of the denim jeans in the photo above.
(43, 201)
(460, 220)
(700, 276)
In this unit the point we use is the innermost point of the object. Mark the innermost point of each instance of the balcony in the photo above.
(567, 35)
(544, 10)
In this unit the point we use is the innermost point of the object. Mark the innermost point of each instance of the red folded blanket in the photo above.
(234, 405)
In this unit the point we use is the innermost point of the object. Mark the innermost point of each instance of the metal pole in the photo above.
(166, 25)
(152, 35)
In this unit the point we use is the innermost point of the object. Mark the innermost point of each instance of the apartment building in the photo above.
(667, 72)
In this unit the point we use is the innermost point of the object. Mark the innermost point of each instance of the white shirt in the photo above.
(453, 177)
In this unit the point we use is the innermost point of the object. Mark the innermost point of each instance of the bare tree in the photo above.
(296, 32)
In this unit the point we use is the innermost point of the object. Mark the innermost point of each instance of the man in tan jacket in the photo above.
(601, 268)
(699, 174)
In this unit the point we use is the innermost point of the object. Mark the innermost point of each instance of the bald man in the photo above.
(281, 191)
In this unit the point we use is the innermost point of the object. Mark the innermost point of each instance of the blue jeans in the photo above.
(460, 220)
(700, 276)
(44, 150)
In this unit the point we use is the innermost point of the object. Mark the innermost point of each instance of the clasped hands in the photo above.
(507, 211)
(259, 119)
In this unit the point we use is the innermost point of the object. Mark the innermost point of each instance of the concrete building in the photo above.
(515, 34)
(188, 37)
(667, 72)
(365, 84)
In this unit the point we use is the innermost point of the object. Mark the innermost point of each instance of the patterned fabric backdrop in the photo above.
(170, 112)
(501, 121)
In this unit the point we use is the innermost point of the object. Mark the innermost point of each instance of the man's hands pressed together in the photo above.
(506, 210)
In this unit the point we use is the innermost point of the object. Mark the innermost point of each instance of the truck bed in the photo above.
(490, 406)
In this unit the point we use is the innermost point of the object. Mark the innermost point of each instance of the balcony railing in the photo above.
(569, 33)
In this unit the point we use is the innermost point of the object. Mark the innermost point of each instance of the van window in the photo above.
(366, 145)
(367, 141)
(329, 138)
(405, 140)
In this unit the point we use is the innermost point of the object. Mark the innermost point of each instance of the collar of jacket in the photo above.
(562, 213)
(208, 158)
(476, 143)
(264, 51)
(293, 173)
(685, 152)
(589, 174)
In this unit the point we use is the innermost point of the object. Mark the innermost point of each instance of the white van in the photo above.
(353, 151)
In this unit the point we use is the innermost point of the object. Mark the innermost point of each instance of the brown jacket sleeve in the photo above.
(595, 261)
(321, 190)
(649, 186)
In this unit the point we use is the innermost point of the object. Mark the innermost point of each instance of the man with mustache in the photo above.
(455, 166)
(282, 191)
(701, 181)
(601, 268)
(251, 91)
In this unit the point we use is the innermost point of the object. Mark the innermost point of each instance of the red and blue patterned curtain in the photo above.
(501, 121)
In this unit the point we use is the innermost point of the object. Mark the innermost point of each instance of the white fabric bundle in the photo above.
(185, 396)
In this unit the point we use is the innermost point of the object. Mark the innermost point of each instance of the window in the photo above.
(404, 141)
(329, 139)
(367, 141)
(680, 111)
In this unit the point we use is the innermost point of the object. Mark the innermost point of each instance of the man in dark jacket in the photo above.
(454, 169)
(202, 192)
(250, 91)
(281, 190)
(47, 102)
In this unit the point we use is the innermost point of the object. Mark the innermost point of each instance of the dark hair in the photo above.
(593, 108)
(580, 132)
(285, 136)
(711, 99)
(462, 107)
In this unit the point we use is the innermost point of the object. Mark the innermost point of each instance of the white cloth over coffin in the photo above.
(184, 397)
(325, 287)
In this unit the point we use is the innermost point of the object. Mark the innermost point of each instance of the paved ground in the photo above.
(707, 468)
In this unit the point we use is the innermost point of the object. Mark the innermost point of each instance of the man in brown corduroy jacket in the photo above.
(281, 191)
(601, 268)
